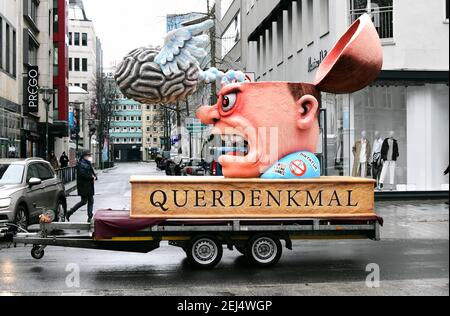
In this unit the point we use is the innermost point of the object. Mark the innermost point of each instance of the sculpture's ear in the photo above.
(354, 62)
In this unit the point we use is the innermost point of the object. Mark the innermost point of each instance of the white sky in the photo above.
(123, 25)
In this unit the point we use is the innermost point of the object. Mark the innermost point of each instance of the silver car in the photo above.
(29, 187)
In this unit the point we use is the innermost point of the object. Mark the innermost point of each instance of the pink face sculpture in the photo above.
(276, 119)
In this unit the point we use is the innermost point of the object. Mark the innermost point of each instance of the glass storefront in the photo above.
(9, 134)
(405, 123)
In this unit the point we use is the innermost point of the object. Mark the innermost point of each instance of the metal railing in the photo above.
(67, 175)
(382, 17)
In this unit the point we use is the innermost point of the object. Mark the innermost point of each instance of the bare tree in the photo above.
(106, 92)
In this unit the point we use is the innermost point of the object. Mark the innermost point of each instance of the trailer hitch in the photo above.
(7, 234)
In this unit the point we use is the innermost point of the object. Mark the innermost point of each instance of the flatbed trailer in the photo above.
(260, 240)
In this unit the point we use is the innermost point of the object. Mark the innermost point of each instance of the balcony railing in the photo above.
(382, 17)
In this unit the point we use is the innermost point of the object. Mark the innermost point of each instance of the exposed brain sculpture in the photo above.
(141, 78)
(162, 75)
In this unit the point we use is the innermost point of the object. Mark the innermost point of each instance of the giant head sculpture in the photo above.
(277, 119)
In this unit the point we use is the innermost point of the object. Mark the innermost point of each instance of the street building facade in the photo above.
(153, 130)
(60, 102)
(32, 57)
(126, 131)
(85, 67)
(284, 40)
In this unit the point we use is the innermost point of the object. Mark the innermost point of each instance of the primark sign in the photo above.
(31, 90)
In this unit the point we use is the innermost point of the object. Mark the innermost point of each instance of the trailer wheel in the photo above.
(37, 252)
(263, 250)
(204, 252)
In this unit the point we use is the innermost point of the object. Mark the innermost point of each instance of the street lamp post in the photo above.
(47, 94)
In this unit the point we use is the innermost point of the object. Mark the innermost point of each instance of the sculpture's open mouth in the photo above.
(235, 145)
(240, 148)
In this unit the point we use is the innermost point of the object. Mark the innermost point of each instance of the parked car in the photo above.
(196, 167)
(29, 187)
(162, 160)
(176, 165)
(216, 152)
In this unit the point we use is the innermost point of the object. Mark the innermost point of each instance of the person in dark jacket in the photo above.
(85, 185)
(53, 160)
(64, 160)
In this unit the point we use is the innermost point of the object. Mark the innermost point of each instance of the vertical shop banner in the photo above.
(71, 118)
(31, 90)
(105, 153)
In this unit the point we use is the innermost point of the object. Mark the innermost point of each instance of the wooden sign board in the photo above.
(219, 198)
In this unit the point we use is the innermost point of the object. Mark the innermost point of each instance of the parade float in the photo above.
(277, 123)
(272, 191)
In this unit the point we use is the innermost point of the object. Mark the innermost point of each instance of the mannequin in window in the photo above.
(377, 164)
(361, 151)
(389, 155)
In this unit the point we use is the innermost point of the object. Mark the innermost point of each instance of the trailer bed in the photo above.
(114, 232)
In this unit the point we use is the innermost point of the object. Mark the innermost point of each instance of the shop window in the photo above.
(401, 124)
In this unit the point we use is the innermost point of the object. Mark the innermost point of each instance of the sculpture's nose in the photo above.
(208, 114)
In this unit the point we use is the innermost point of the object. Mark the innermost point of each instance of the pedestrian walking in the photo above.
(64, 160)
(86, 178)
(53, 160)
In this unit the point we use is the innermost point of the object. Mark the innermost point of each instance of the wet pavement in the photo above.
(413, 259)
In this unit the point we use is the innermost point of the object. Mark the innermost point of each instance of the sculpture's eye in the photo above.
(228, 102)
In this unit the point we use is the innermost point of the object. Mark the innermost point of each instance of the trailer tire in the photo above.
(37, 253)
(263, 250)
(204, 252)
